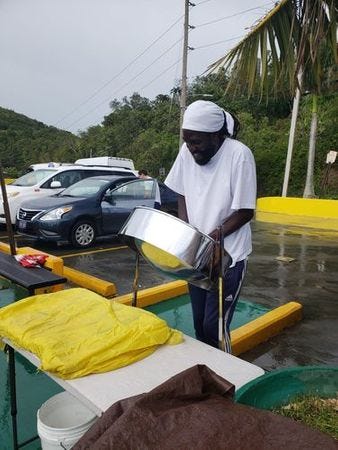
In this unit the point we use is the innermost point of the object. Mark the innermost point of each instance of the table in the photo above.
(99, 391)
(29, 278)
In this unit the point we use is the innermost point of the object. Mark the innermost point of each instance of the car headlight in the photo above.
(56, 214)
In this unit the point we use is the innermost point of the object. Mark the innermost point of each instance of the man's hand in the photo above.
(216, 259)
(231, 224)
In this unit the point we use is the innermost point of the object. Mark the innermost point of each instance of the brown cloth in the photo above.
(195, 410)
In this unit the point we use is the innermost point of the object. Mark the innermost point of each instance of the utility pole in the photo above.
(183, 96)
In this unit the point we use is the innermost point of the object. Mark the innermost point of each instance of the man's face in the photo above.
(202, 146)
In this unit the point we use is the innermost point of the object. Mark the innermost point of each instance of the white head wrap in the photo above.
(207, 117)
(230, 123)
(203, 116)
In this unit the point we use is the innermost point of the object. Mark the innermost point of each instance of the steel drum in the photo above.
(172, 246)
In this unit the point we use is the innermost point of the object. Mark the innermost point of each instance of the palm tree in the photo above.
(291, 47)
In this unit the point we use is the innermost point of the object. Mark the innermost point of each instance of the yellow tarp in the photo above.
(77, 332)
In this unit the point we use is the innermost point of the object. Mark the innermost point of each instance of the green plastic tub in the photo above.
(279, 387)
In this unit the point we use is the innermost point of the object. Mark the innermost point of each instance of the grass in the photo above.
(318, 413)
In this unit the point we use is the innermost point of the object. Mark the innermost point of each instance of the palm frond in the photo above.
(289, 38)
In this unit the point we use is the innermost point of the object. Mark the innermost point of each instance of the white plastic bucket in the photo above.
(62, 420)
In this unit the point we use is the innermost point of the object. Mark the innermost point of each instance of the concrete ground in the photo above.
(306, 271)
(310, 278)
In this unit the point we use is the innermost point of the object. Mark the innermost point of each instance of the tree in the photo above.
(292, 46)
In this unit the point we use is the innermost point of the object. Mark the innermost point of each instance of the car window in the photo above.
(33, 178)
(117, 183)
(66, 178)
(99, 172)
(91, 173)
(84, 188)
(134, 190)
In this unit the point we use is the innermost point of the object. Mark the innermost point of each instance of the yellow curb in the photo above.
(105, 288)
(263, 328)
(305, 212)
(153, 295)
(324, 223)
(5, 248)
(243, 338)
(311, 207)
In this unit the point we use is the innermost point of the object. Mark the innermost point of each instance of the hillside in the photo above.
(24, 141)
(147, 131)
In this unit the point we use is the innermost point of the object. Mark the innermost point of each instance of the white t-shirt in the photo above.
(214, 191)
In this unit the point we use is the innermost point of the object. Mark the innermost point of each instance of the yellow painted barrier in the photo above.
(314, 213)
(5, 248)
(153, 295)
(264, 327)
(243, 338)
(105, 288)
(9, 180)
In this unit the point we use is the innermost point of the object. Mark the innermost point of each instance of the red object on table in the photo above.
(31, 260)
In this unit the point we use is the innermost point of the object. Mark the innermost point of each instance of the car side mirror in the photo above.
(109, 199)
(55, 185)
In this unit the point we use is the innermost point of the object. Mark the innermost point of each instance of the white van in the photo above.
(49, 181)
(107, 161)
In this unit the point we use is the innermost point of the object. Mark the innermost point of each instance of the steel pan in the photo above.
(172, 246)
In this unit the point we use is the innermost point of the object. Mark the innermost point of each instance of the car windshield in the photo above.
(84, 188)
(33, 178)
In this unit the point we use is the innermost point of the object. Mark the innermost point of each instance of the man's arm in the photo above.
(237, 220)
(231, 224)
(234, 222)
(182, 208)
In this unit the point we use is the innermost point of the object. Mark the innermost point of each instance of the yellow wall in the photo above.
(315, 213)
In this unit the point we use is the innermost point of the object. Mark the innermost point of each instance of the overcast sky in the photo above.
(63, 61)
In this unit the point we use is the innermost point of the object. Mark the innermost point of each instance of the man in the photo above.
(143, 173)
(215, 178)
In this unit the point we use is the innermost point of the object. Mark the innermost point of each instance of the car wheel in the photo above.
(83, 234)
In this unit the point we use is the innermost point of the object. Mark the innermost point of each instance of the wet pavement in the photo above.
(306, 272)
(311, 279)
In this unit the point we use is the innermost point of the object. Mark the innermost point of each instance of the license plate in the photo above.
(22, 224)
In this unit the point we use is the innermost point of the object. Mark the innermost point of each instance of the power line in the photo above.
(118, 74)
(154, 79)
(218, 42)
(125, 84)
(162, 73)
(201, 3)
(152, 63)
(232, 15)
(94, 94)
